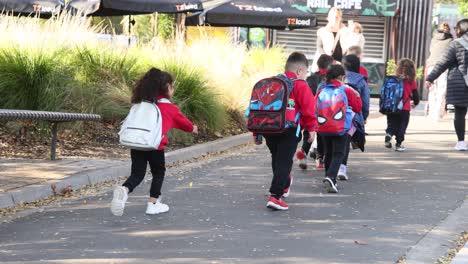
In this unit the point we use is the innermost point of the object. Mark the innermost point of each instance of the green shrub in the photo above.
(104, 80)
(58, 65)
(194, 97)
(266, 61)
(105, 64)
(166, 26)
(32, 79)
(391, 67)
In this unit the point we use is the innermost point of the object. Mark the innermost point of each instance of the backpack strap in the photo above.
(290, 83)
(298, 130)
(164, 101)
(343, 87)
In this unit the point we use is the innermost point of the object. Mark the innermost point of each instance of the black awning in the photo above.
(130, 7)
(276, 14)
(43, 8)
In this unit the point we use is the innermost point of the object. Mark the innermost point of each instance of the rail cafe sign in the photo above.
(355, 7)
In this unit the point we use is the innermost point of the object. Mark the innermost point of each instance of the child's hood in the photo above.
(354, 78)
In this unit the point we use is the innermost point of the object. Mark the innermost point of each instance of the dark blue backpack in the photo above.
(391, 95)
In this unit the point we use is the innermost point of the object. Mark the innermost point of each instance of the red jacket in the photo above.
(410, 89)
(363, 72)
(304, 102)
(353, 101)
(172, 118)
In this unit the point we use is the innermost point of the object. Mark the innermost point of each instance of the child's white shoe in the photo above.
(343, 173)
(119, 200)
(400, 148)
(156, 208)
(461, 146)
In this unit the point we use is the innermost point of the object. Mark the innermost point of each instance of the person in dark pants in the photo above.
(335, 147)
(335, 143)
(283, 146)
(397, 123)
(140, 160)
(155, 86)
(352, 65)
(315, 82)
(455, 60)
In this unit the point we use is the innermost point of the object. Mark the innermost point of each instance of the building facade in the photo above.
(393, 29)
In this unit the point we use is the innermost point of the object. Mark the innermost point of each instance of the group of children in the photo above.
(345, 81)
(333, 111)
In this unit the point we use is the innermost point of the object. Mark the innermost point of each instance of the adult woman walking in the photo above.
(328, 37)
(456, 61)
(440, 42)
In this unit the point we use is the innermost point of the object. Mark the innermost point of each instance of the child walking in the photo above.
(283, 144)
(351, 63)
(335, 104)
(397, 123)
(155, 86)
(315, 81)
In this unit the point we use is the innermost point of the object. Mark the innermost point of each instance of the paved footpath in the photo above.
(218, 212)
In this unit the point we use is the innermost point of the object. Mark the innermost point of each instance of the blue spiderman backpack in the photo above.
(391, 95)
(334, 116)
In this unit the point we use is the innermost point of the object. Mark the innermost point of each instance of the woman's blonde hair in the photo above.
(337, 10)
(407, 69)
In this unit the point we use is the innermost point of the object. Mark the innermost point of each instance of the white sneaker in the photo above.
(461, 146)
(400, 148)
(342, 173)
(119, 200)
(156, 208)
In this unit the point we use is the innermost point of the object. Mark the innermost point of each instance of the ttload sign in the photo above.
(343, 4)
(298, 22)
(187, 7)
(258, 8)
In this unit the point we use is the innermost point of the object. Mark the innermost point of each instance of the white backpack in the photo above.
(142, 128)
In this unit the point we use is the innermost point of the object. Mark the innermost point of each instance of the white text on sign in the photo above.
(343, 4)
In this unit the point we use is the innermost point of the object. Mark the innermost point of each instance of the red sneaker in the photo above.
(277, 204)
(287, 190)
(302, 158)
(320, 164)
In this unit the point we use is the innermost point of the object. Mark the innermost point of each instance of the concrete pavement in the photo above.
(218, 212)
(24, 181)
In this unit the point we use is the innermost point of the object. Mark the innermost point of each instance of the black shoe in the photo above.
(388, 139)
(330, 186)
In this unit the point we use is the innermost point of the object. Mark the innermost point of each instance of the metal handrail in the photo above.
(53, 117)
